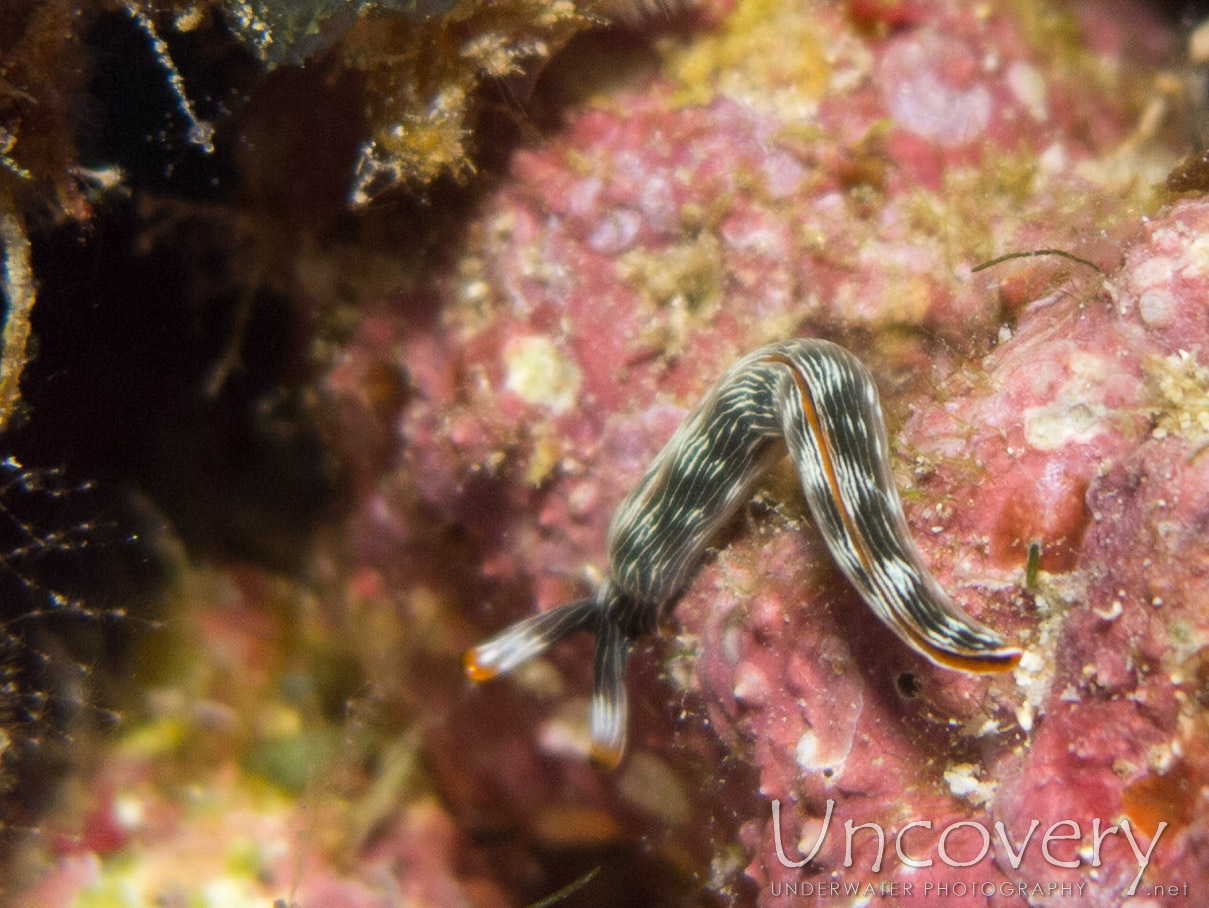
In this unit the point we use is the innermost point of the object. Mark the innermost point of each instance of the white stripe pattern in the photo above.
(823, 404)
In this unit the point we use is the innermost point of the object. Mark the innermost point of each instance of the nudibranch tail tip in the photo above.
(1006, 659)
(475, 668)
(527, 638)
(604, 756)
(984, 662)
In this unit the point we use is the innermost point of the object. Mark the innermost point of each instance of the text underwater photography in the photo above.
(990, 853)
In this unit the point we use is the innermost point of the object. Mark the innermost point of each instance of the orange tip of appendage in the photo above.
(476, 670)
(604, 756)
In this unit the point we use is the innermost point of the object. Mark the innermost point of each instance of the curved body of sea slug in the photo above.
(817, 400)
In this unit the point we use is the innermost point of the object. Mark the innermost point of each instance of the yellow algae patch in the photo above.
(1180, 388)
(419, 147)
(546, 456)
(767, 52)
(228, 853)
(687, 274)
(539, 374)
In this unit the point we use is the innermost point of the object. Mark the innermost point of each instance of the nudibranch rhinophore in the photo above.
(822, 402)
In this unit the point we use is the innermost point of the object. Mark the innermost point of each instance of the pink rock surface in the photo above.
(197, 802)
(844, 193)
(794, 168)
(1102, 718)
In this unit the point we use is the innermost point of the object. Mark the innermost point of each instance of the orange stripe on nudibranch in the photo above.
(823, 441)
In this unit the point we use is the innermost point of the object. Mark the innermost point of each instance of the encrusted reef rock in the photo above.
(837, 170)
(782, 168)
(1081, 434)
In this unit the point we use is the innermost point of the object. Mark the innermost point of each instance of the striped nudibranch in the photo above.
(822, 402)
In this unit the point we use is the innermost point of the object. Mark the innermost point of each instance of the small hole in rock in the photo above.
(908, 685)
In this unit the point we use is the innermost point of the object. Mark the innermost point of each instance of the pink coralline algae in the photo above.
(1082, 434)
(207, 799)
(752, 171)
(1041, 407)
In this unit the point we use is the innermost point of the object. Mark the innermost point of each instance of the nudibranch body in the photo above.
(817, 400)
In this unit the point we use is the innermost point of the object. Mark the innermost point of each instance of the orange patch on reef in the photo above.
(1054, 513)
(1169, 798)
